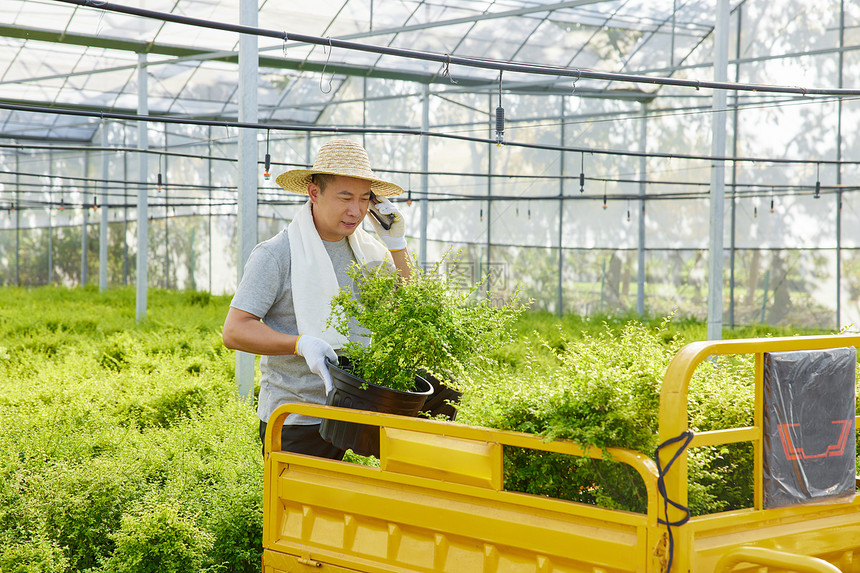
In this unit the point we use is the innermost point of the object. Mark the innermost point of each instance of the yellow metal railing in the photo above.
(468, 461)
(643, 465)
(772, 558)
(673, 421)
(673, 399)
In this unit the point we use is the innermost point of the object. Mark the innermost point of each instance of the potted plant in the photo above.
(420, 329)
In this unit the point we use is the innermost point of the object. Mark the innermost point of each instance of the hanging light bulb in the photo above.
(159, 181)
(409, 197)
(771, 204)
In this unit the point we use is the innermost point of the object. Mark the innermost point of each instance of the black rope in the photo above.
(685, 437)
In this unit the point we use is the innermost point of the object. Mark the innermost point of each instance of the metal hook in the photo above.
(446, 71)
(578, 76)
(322, 74)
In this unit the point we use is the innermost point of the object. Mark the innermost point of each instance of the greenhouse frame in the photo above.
(599, 156)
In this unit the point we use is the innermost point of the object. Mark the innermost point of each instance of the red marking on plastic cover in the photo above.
(794, 453)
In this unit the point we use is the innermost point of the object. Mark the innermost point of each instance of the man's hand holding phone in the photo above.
(388, 223)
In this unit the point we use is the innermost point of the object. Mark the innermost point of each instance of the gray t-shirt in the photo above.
(265, 291)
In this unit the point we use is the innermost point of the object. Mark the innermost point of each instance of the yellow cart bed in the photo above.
(437, 502)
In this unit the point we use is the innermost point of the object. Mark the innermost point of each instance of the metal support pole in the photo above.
(247, 208)
(490, 152)
(209, 181)
(718, 174)
(839, 169)
(425, 177)
(85, 217)
(166, 190)
(103, 228)
(733, 206)
(50, 225)
(142, 190)
(640, 250)
(17, 219)
(125, 209)
(560, 301)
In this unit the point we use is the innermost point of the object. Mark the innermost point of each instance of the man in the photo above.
(283, 301)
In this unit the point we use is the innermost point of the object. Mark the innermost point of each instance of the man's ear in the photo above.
(313, 191)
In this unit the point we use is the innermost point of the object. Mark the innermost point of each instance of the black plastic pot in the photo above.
(443, 401)
(350, 391)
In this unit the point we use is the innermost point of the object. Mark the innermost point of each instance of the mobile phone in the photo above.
(385, 220)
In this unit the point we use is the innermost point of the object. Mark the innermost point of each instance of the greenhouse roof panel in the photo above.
(57, 53)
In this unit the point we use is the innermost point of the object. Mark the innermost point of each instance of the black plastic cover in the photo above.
(809, 439)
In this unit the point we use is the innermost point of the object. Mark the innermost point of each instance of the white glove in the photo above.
(315, 350)
(395, 237)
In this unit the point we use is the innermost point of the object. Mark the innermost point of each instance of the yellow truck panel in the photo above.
(437, 502)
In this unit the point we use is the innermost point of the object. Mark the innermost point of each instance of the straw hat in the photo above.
(338, 157)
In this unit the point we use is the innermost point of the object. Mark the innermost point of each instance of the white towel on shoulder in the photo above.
(313, 279)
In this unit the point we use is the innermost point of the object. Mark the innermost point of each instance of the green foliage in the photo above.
(158, 540)
(124, 446)
(420, 323)
(124, 442)
(238, 529)
(601, 389)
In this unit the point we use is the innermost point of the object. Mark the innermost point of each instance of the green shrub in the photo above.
(116, 432)
(124, 416)
(83, 505)
(31, 556)
(602, 390)
(420, 323)
(158, 539)
(237, 528)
